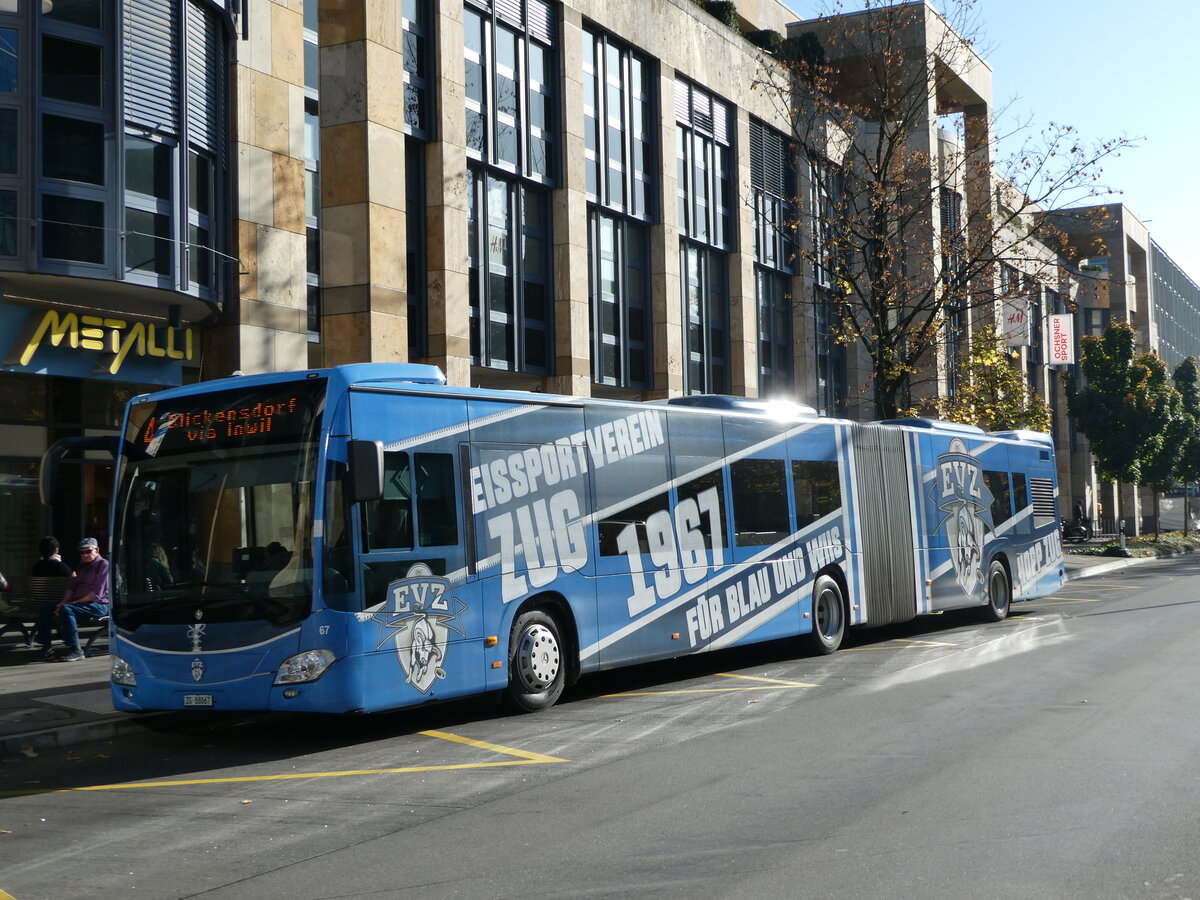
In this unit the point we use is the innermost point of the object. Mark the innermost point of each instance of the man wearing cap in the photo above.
(87, 597)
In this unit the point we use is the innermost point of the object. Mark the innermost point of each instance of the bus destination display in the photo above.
(245, 418)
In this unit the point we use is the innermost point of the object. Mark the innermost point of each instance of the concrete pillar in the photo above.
(363, 223)
(666, 298)
(266, 327)
(448, 278)
(572, 312)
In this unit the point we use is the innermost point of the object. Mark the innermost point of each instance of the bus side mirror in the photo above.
(365, 462)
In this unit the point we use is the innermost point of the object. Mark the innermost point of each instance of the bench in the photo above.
(27, 593)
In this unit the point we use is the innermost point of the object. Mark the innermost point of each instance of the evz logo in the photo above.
(417, 618)
(962, 497)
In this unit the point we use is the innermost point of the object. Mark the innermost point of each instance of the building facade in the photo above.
(579, 197)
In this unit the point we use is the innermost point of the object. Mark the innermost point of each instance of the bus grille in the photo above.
(1045, 510)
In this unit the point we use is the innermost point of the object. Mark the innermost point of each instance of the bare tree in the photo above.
(911, 219)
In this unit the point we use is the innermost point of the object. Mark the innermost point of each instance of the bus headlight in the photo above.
(307, 666)
(122, 672)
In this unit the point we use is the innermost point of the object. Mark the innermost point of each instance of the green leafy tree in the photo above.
(992, 393)
(1126, 407)
(1187, 381)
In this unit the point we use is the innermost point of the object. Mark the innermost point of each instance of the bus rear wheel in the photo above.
(536, 668)
(828, 616)
(999, 593)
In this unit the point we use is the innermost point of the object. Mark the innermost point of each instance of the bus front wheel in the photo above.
(828, 616)
(999, 593)
(536, 668)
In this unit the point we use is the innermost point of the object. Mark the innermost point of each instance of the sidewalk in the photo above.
(53, 705)
(47, 705)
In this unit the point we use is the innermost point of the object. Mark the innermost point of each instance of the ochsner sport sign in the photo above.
(1060, 343)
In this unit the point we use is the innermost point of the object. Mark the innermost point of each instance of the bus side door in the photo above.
(421, 628)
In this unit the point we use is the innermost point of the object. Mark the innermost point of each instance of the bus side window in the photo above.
(997, 484)
(388, 522)
(760, 509)
(693, 489)
(437, 506)
(818, 490)
(1020, 495)
(610, 528)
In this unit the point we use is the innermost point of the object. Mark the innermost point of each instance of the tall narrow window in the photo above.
(773, 185)
(826, 215)
(703, 154)
(510, 65)
(956, 319)
(619, 159)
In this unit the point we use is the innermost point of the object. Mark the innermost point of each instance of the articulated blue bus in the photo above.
(366, 537)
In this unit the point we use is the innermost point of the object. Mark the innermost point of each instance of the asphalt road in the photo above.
(1053, 755)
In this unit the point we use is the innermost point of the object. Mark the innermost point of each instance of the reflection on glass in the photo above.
(224, 485)
(8, 60)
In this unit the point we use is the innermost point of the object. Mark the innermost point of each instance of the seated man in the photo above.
(86, 597)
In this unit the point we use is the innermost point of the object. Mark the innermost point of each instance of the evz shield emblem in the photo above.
(417, 618)
(962, 497)
(197, 669)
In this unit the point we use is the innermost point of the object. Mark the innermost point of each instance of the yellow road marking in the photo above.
(923, 643)
(494, 748)
(778, 681)
(523, 758)
(1066, 601)
(4, 895)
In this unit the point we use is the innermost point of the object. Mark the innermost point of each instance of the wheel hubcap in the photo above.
(538, 658)
(828, 614)
(999, 591)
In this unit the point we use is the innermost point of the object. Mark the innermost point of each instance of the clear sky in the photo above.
(1109, 68)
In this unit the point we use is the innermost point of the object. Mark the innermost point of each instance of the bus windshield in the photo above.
(215, 509)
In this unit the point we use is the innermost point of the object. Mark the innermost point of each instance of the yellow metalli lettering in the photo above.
(67, 327)
(117, 338)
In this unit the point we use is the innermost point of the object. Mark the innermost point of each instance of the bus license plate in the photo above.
(197, 699)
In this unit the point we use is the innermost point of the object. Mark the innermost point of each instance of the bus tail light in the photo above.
(303, 667)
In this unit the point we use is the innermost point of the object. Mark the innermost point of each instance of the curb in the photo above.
(66, 736)
(1123, 563)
